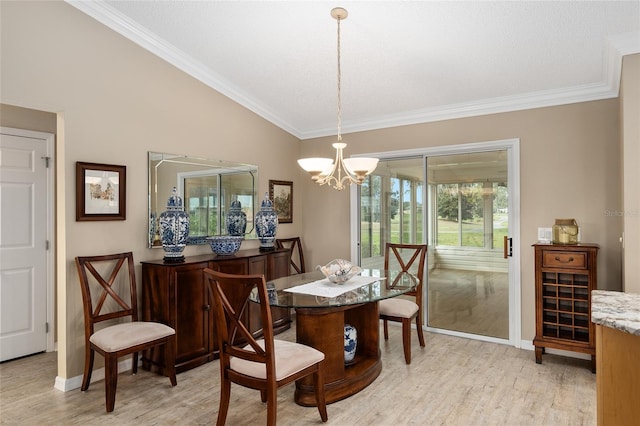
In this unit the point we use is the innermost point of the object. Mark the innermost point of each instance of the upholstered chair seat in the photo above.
(121, 336)
(397, 307)
(290, 358)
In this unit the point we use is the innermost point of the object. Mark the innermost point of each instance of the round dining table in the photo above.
(321, 316)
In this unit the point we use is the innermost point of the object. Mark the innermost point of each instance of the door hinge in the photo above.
(47, 160)
(47, 245)
(46, 327)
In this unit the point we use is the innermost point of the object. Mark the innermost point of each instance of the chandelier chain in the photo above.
(339, 87)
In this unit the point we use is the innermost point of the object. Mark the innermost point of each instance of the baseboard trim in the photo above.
(72, 383)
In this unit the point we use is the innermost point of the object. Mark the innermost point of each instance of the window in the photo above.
(471, 214)
(391, 207)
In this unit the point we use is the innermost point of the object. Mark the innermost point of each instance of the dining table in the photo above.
(323, 309)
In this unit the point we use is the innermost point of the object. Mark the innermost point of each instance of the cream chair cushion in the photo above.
(290, 357)
(397, 307)
(125, 335)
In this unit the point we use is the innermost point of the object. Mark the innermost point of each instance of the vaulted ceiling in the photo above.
(402, 62)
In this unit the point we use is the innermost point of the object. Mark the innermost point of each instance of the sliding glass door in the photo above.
(391, 208)
(459, 204)
(468, 279)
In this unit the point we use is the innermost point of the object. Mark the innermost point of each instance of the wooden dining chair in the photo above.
(110, 284)
(297, 256)
(409, 261)
(265, 364)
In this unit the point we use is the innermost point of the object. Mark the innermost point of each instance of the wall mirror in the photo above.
(207, 188)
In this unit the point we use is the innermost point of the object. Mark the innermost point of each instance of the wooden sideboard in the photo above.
(176, 294)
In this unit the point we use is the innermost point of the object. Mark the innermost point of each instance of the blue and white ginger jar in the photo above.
(266, 224)
(174, 228)
(236, 219)
(350, 342)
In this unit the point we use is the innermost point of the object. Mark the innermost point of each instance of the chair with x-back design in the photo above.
(295, 246)
(408, 260)
(110, 284)
(264, 364)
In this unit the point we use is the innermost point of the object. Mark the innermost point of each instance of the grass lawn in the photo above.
(472, 234)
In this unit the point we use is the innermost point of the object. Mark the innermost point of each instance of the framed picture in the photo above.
(281, 193)
(100, 192)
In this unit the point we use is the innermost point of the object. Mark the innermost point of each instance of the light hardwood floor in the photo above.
(452, 381)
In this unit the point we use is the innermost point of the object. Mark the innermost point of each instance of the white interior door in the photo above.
(24, 271)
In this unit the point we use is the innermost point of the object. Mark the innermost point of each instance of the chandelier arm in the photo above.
(348, 176)
(344, 176)
(336, 165)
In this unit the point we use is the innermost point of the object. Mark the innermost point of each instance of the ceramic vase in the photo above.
(350, 342)
(174, 228)
(266, 224)
(236, 220)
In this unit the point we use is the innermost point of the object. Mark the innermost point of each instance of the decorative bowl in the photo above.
(339, 271)
(225, 245)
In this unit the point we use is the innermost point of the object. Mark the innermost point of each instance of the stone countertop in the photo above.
(616, 310)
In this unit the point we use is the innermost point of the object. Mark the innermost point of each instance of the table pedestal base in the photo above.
(323, 329)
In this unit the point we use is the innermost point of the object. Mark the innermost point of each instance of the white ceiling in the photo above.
(402, 62)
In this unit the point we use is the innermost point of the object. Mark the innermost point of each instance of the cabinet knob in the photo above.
(206, 307)
(558, 259)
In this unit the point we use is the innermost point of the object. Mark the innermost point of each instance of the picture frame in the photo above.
(100, 192)
(281, 194)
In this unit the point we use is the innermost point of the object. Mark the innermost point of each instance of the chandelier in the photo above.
(342, 171)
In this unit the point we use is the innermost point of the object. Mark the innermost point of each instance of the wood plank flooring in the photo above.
(452, 381)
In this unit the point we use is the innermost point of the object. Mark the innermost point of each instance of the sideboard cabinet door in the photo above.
(230, 266)
(176, 295)
(193, 309)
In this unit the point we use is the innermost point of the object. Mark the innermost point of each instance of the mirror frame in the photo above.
(185, 165)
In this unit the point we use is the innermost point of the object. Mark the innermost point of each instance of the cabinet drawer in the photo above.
(564, 259)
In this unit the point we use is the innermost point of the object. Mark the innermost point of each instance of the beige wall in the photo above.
(116, 102)
(24, 118)
(569, 164)
(630, 124)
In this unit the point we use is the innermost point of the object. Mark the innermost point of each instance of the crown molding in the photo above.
(121, 24)
(615, 48)
(540, 99)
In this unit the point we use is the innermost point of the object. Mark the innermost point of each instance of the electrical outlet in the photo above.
(544, 235)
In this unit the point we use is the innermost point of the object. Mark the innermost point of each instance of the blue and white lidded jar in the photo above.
(236, 219)
(266, 224)
(350, 342)
(174, 228)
